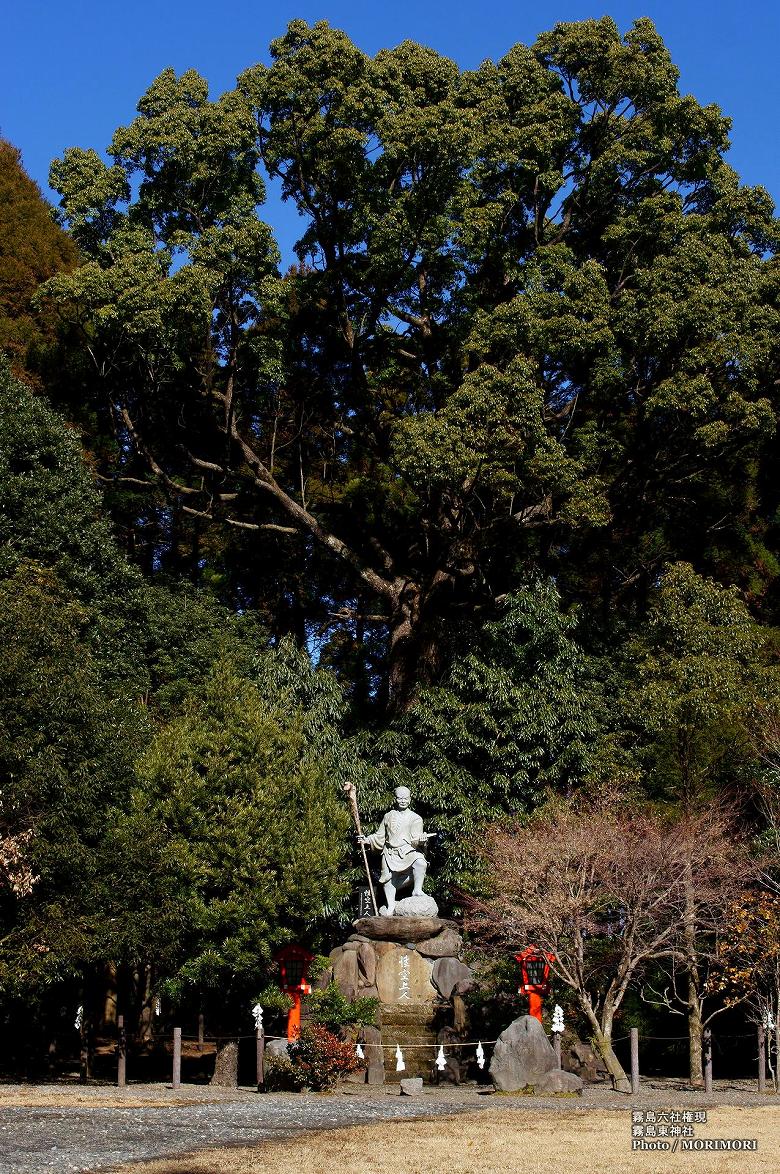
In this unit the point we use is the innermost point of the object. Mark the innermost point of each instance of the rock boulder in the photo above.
(447, 973)
(420, 906)
(446, 944)
(523, 1058)
(400, 929)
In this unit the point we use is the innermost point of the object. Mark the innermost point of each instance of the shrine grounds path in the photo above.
(148, 1129)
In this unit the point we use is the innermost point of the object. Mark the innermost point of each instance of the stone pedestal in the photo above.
(397, 960)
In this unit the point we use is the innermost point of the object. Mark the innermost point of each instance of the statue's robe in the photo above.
(397, 838)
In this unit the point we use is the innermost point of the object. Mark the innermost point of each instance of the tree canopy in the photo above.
(534, 322)
(32, 248)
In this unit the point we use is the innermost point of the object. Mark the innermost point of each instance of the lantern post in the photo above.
(294, 962)
(535, 974)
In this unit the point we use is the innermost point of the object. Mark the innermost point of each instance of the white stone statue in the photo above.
(399, 838)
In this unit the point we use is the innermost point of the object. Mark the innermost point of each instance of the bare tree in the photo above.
(716, 867)
(608, 889)
(749, 971)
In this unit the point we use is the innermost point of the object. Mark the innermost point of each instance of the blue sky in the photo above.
(70, 73)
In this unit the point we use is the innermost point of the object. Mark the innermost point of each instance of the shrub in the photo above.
(322, 1058)
(281, 1075)
(331, 1009)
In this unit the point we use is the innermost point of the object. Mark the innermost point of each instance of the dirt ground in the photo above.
(493, 1142)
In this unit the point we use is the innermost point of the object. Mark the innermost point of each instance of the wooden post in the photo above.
(707, 1060)
(121, 1064)
(201, 1029)
(177, 1057)
(557, 1046)
(634, 1033)
(761, 1058)
(260, 1046)
(84, 1065)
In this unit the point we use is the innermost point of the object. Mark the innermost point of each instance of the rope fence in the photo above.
(441, 1049)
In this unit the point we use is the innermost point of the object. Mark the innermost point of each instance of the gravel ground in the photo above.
(56, 1128)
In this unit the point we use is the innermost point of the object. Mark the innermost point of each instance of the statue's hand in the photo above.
(362, 839)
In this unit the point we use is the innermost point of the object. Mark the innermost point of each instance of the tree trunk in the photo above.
(603, 1045)
(226, 1064)
(602, 1042)
(695, 1025)
(415, 647)
(695, 1034)
(110, 996)
(146, 1013)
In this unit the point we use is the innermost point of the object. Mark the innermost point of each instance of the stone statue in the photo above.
(399, 838)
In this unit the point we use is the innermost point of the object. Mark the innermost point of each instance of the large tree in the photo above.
(32, 248)
(534, 315)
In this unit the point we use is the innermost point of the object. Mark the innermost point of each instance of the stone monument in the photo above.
(407, 956)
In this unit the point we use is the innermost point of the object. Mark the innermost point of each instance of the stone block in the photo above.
(581, 1059)
(399, 929)
(345, 971)
(382, 948)
(420, 906)
(412, 1086)
(366, 964)
(558, 1081)
(446, 944)
(447, 973)
(404, 976)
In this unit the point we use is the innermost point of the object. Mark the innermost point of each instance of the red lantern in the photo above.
(535, 972)
(294, 962)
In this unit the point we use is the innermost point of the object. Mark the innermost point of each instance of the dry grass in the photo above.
(490, 1142)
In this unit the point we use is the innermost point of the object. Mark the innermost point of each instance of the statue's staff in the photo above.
(351, 792)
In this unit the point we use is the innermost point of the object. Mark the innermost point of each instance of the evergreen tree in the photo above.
(32, 248)
(241, 783)
(534, 324)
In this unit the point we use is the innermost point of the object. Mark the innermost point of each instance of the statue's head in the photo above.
(403, 797)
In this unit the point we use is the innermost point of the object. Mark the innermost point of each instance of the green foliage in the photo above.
(256, 825)
(32, 248)
(331, 1009)
(50, 512)
(66, 766)
(185, 631)
(273, 1000)
(512, 720)
(499, 450)
(693, 678)
(534, 326)
(281, 1075)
